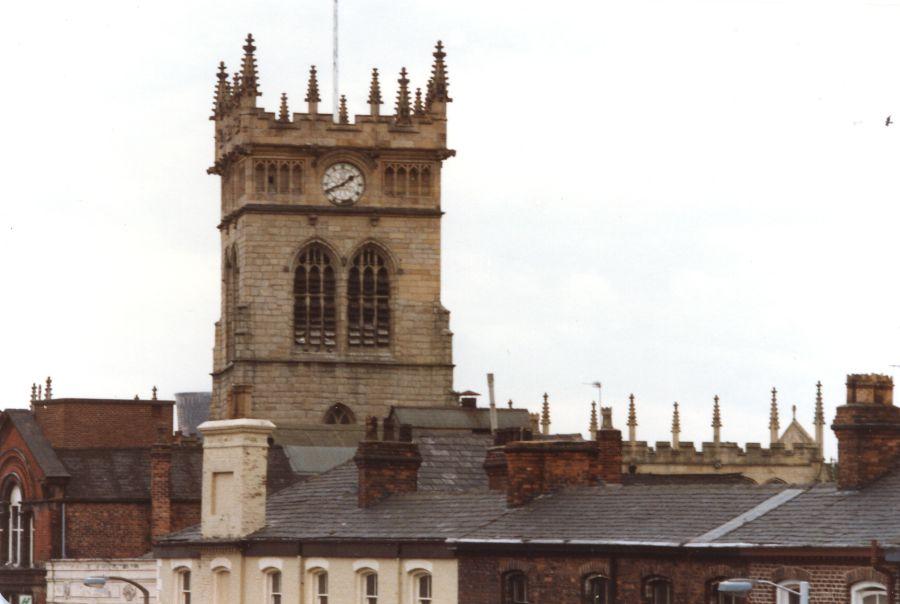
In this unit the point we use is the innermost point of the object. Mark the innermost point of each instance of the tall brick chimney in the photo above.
(160, 490)
(609, 449)
(868, 431)
(235, 464)
(386, 467)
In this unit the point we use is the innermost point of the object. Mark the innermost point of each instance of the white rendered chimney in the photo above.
(235, 461)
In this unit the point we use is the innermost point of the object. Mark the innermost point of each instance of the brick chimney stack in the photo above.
(609, 449)
(386, 467)
(868, 430)
(160, 489)
(539, 467)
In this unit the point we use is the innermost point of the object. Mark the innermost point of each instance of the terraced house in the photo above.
(477, 519)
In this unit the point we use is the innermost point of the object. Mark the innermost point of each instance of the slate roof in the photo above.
(823, 516)
(454, 504)
(124, 474)
(459, 418)
(28, 428)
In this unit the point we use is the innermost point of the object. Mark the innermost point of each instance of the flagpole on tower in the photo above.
(336, 93)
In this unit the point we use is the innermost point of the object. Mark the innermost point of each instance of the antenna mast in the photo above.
(335, 95)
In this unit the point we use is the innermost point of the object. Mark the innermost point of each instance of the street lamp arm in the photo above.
(777, 586)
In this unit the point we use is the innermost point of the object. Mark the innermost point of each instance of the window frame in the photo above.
(714, 597)
(649, 597)
(182, 587)
(508, 589)
(363, 577)
(218, 574)
(369, 299)
(587, 593)
(783, 597)
(317, 596)
(274, 586)
(417, 576)
(15, 530)
(866, 588)
(315, 299)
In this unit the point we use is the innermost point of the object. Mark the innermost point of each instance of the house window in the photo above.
(868, 593)
(596, 590)
(784, 597)
(339, 414)
(422, 588)
(723, 598)
(16, 526)
(320, 588)
(314, 301)
(183, 587)
(221, 580)
(369, 588)
(273, 587)
(368, 303)
(657, 590)
(515, 588)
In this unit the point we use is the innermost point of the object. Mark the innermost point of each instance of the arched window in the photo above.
(515, 588)
(784, 597)
(314, 299)
(183, 587)
(657, 590)
(320, 587)
(296, 179)
(16, 526)
(869, 592)
(722, 598)
(421, 587)
(368, 300)
(368, 587)
(273, 587)
(596, 590)
(400, 186)
(339, 414)
(284, 178)
(221, 586)
(230, 295)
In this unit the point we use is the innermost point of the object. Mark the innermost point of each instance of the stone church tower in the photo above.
(331, 257)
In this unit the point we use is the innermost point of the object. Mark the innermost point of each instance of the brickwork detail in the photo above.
(386, 468)
(95, 423)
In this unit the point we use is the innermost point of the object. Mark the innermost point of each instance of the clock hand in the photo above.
(341, 184)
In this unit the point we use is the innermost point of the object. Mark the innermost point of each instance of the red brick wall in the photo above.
(107, 530)
(160, 490)
(538, 467)
(868, 442)
(386, 468)
(185, 514)
(89, 423)
(559, 579)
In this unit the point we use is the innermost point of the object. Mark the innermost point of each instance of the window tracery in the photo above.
(277, 176)
(407, 180)
(314, 299)
(368, 300)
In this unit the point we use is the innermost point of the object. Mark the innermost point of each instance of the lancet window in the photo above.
(407, 180)
(273, 176)
(314, 299)
(368, 300)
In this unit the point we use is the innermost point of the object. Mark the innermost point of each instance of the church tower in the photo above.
(331, 258)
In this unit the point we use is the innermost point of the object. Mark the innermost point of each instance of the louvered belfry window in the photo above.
(368, 300)
(314, 299)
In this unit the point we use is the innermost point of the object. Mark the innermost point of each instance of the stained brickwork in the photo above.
(386, 468)
(107, 530)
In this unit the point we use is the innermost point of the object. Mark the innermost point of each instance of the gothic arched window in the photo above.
(230, 294)
(314, 299)
(368, 300)
(339, 414)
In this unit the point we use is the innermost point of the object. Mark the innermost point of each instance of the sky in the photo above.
(676, 198)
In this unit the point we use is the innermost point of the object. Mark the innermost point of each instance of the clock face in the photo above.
(343, 184)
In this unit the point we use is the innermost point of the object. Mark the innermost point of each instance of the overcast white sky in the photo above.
(679, 198)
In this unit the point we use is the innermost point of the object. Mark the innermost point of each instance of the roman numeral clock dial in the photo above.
(343, 184)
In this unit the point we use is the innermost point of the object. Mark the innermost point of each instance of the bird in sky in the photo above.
(888, 121)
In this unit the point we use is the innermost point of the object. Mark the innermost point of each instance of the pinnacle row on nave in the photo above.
(243, 88)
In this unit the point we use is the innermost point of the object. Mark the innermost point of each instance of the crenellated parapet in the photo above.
(275, 157)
